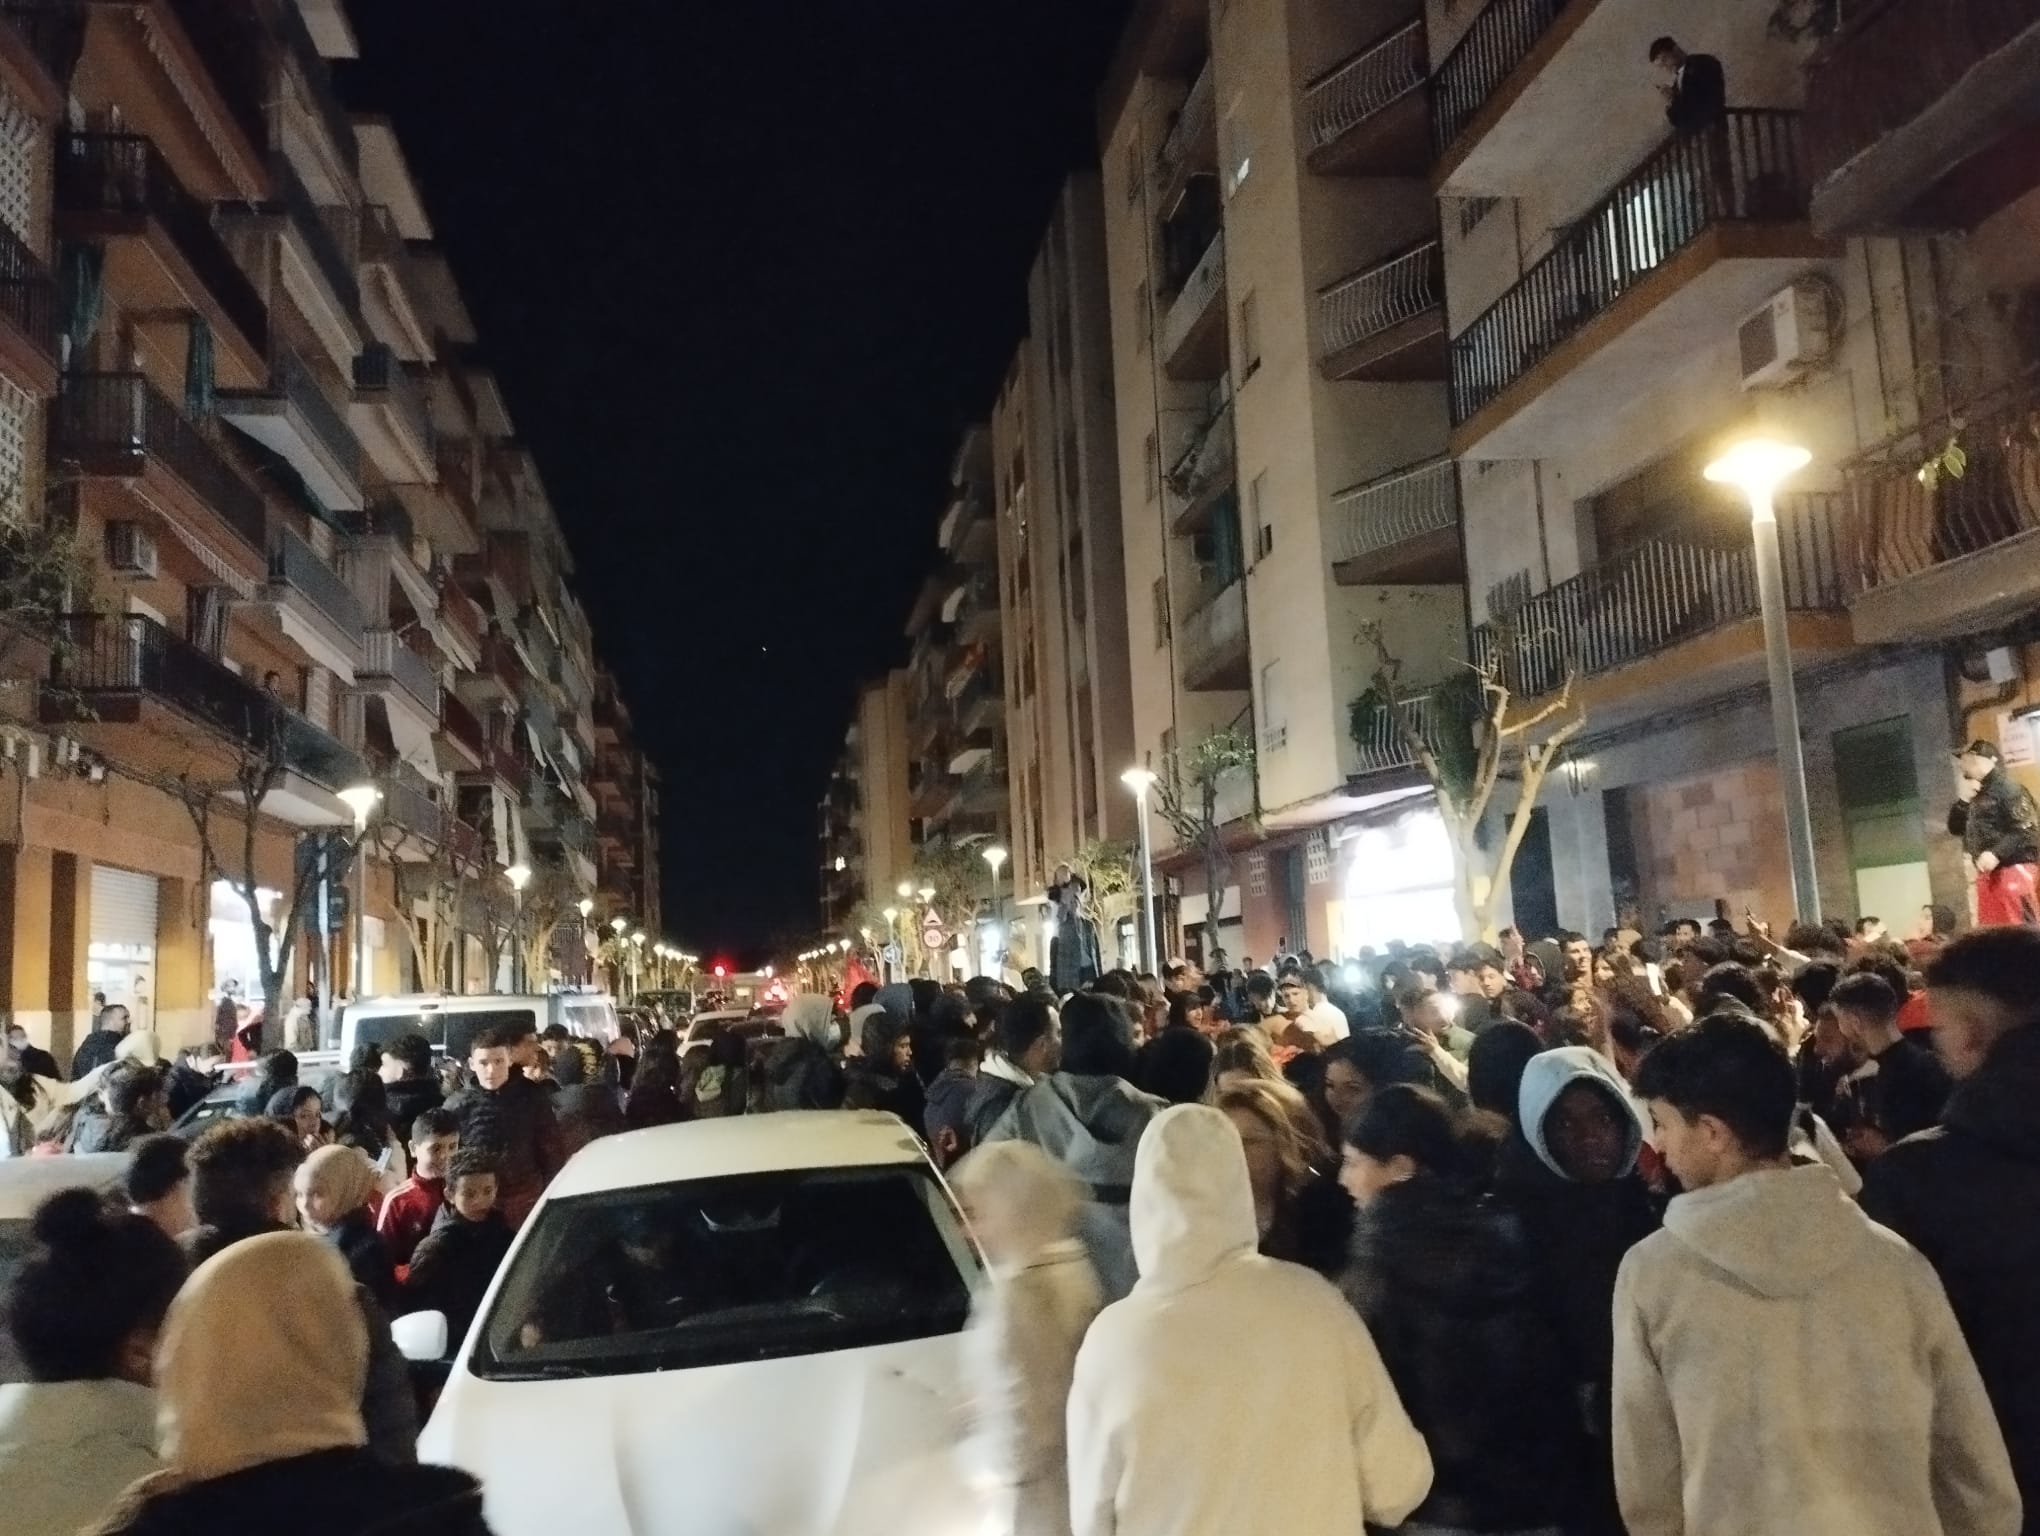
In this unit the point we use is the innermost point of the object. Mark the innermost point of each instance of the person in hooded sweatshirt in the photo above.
(1089, 1117)
(1230, 1394)
(1020, 1348)
(1568, 1172)
(83, 1312)
(801, 1070)
(1783, 1363)
(260, 1373)
(1026, 1046)
(333, 1187)
(882, 1075)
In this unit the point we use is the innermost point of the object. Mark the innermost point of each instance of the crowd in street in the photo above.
(1699, 1231)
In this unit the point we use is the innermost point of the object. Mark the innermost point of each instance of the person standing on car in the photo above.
(509, 1117)
(261, 1371)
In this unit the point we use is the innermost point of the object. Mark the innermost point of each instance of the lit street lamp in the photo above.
(892, 924)
(637, 949)
(905, 890)
(1140, 780)
(519, 876)
(1755, 467)
(995, 856)
(361, 800)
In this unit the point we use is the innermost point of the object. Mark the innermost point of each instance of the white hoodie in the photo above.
(1229, 1394)
(1784, 1364)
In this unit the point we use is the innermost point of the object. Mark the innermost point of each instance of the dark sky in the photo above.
(745, 268)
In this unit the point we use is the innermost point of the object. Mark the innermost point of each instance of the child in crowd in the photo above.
(451, 1269)
(413, 1206)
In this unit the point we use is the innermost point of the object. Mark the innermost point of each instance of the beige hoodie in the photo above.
(1783, 1364)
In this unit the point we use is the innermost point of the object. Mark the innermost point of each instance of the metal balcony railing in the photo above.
(1500, 38)
(332, 251)
(114, 423)
(293, 563)
(456, 460)
(129, 653)
(1214, 629)
(377, 520)
(1207, 459)
(459, 722)
(1902, 521)
(384, 655)
(122, 174)
(409, 803)
(1666, 591)
(292, 378)
(1396, 508)
(27, 296)
(333, 117)
(1748, 171)
(1891, 61)
(1380, 298)
(1382, 747)
(458, 611)
(1375, 78)
(1200, 288)
(378, 370)
(1192, 126)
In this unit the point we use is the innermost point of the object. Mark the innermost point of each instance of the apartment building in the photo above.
(626, 788)
(1623, 303)
(1279, 381)
(238, 374)
(863, 815)
(1061, 576)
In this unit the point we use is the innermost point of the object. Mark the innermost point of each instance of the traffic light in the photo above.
(721, 970)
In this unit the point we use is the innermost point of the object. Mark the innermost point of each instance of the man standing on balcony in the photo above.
(1995, 817)
(1694, 87)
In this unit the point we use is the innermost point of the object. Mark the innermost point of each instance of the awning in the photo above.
(410, 736)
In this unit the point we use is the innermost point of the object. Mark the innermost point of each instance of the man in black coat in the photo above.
(1967, 1192)
(1695, 88)
(1996, 819)
(97, 1048)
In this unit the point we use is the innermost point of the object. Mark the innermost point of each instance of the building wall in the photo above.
(882, 736)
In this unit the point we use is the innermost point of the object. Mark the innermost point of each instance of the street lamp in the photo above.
(1140, 780)
(995, 855)
(637, 949)
(1755, 467)
(927, 894)
(519, 876)
(892, 927)
(905, 889)
(361, 800)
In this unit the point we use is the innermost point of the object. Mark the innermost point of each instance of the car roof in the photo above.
(418, 1002)
(737, 1144)
(25, 1182)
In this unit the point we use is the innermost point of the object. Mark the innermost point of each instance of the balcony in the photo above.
(1658, 271)
(309, 604)
(1919, 115)
(1370, 116)
(146, 698)
(44, 38)
(461, 623)
(1191, 145)
(336, 124)
(162, 251)
(387, 278)
(1401, 529)
(973, 607)
(1386, 323)
(1212, 639)
(466, 743)
(978, 704)
(1676, 619)
(293, 418)
(400, 675)
(28, 317)
(1192, 341)
(1205, 470)
(389, 416)
(1380, 745)
(120, 426)
(1940, 555)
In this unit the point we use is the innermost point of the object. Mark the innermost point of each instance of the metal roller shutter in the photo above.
(123, 908)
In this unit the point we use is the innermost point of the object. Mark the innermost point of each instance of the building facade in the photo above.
(272, 550)
(626, 789)
(866, 849)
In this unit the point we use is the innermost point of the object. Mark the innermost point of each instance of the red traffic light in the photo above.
(721, 970)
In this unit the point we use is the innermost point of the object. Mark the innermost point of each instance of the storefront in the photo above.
(1399, 883)
(120, 953)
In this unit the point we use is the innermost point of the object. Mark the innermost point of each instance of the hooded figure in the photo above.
(334, 1186)
(1568, 1172)
(801, 1071)
(1020, 1348)
(1782, 1363)
(1089, 1118)
(1159, 1435)
(260, 1374)
(882, 1076)
(585, 1101)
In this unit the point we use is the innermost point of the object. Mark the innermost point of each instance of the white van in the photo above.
(450, 1022)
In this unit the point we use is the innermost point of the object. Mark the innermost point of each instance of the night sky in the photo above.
(745, 270)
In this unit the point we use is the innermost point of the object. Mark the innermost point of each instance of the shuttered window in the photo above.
(123, 913)
(18, 130)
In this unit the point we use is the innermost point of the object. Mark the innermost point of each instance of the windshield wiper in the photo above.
(555, 1371)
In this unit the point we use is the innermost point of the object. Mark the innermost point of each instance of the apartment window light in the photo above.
(1239, 154)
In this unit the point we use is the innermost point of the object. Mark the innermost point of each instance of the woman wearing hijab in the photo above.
(260, 1374)
(1026, 1324)
(333, 1188)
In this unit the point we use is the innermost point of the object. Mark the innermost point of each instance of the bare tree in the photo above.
(439, 881)
(1466, 742)
(1187, 795)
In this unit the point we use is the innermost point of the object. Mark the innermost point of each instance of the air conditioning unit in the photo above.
(130, 549)
(1785, 338)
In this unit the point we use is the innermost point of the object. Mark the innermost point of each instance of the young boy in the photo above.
(451, 1269)
(408, 1213)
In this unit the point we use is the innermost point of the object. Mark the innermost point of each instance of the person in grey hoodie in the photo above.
(1089, 1117)
(1783, 1363)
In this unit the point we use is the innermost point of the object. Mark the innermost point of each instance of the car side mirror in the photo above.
(420, 1335)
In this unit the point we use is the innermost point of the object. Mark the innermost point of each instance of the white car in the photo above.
(746, 1325)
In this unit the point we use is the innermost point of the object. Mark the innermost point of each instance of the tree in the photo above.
(1466, 735)
(440, 881)
(1187, 795)
(1110, 883)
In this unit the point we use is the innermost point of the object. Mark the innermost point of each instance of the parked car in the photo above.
(451, 1022)
(703, 1297)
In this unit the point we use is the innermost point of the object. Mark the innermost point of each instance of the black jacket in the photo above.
(1443, 1277)
(515, 1125)
(799, 1074)
(1700, 99)
(2000, 820)
(452, 1268)
(95, 1050)
(1967, 1195)
(410, 1097)
(328, 1493)
(367, 1260)
(37, 1062)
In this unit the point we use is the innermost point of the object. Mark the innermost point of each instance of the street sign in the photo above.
(336, 910)
(932, 936)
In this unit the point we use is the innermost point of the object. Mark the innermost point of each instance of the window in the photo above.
(1257, 510)
(18, 156)
(1274, 711)
(17, 424)
(1143, 319)
(1238, 149)
(1151, 467)
(1159, 593)
(1250, 336)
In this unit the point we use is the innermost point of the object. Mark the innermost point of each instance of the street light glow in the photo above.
(1138, 779)
(638, 938)
(1755, 465)
(519, 876)
(587, 907)
(927, 893)
(891, 915)
(906, 889)
(995, 856)
(361, 800)
(617, 925)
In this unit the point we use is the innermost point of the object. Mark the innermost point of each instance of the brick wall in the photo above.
(1718, 834)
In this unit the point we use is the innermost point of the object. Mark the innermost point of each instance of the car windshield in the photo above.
(718, 1271)
(591, 1018)
(450, 1031)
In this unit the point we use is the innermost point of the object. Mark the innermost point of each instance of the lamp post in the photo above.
(637, 949)
(995, 856)
(361, 800)
(587, 909)
(892, 927)
(617, 925)
(1755, 467)
(1140, 780)
(519, 876)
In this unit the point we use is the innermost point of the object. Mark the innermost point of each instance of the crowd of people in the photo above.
(1696, 1231)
